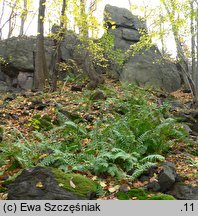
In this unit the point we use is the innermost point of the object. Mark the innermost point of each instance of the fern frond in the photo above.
(152, 158)
(141, 169)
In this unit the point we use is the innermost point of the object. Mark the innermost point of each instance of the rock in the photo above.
(122, 17)
(98, 95)
(68, 46)
(175, 104)
(10, 98)
(130, 35)
(153, 186)
(167, 176)
(126, 25)
(184, 192)
(25, 80)
(148, 174)
(119, 41)
(124, 188)
(46, 184)
(194, 128)
(148, 68)
(77, 88)
(3, 86)
(18, 51)
(187, 128)
(194, 114)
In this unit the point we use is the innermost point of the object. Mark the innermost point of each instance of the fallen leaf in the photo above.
(71, 183)
(113, 189)
(39, 185)
(103, 184)
(94, 178)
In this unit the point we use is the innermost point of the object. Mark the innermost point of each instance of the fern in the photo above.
(152, 158)
(141, 169)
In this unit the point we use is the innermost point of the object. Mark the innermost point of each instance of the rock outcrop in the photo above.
(123, 25)
(147, 67)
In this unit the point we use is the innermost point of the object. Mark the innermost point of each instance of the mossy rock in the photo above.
(162, 197)
(140, 194)
(83, 185)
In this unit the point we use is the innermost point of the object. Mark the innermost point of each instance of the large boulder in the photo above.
(18, 54)
(184, 192)
(50, 184)
(121, 17)
(123, 25)
(18, 51)
(147, 67)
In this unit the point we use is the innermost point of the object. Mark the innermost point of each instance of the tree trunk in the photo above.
(196, 68)
(12, 20)
(23, 17)
(57, 52)
(40, 73)
(83, 28)
(1, 17)
(182, 61)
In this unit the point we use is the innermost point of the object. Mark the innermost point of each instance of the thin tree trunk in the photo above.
(83, 28)
(182, 61)
(1, 17)
(192, 28)
(196, 70)
(23, 17)
(57, 53)
(12, 20)
(40, 73)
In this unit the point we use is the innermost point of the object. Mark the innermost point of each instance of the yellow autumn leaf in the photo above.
(94, 178)
(39, 185)
(72, 183)
(43, 156)
(113, 189)
(103, 184)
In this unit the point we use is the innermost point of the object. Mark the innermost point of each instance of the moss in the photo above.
(162, 197)
(140, 194)
(122, 196)
(83, 185)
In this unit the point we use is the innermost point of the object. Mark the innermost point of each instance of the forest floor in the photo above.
(16, 111)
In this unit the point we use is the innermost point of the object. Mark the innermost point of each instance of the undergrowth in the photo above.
(131, 140)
